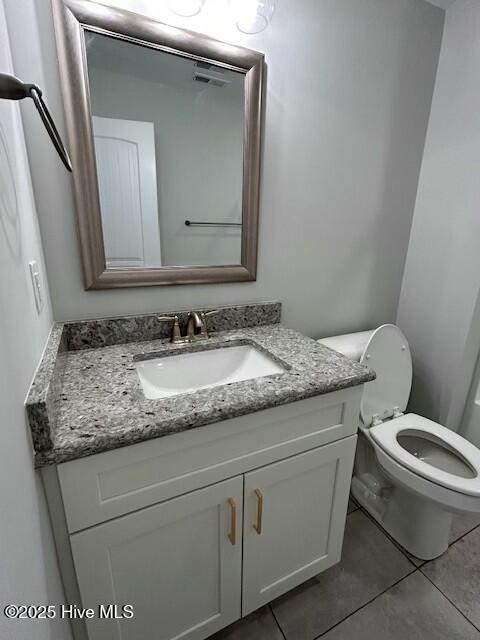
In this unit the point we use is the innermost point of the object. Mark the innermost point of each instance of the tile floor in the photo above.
(379, 592)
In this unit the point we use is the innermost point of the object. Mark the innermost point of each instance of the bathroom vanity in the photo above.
(195, 481)
(197, 508)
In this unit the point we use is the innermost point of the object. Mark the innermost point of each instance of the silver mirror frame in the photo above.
(71, 19)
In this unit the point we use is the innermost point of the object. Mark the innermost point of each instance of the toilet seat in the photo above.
(385, 436)
(388, 354)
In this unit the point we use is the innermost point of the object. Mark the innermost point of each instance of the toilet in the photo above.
(411, 474)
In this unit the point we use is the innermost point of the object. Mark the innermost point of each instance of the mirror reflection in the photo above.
(168, 134)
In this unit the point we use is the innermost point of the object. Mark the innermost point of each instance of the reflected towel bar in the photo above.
(191, 223)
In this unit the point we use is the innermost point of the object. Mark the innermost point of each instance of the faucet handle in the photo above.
(176, 334)
(204, 315)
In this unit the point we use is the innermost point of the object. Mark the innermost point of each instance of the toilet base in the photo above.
(417, 524)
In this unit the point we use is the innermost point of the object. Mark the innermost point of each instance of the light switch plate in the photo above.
(36, 284)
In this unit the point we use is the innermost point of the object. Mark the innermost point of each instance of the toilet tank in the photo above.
(351, 345)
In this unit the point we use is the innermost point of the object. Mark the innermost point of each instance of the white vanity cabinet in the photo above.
(200, 528)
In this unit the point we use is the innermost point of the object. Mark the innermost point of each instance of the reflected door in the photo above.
(127, 182)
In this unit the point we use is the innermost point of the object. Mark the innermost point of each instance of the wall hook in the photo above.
(12, 88)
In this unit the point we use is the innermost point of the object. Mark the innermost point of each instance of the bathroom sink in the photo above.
(187, 372)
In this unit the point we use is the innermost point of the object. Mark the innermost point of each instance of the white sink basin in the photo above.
(187, 372)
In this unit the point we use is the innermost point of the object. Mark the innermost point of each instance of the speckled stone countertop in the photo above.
(89, 400)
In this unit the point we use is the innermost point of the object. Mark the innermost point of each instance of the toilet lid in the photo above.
(388, 354)
(388, 436)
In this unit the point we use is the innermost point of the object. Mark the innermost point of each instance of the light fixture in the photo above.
(252, 16)
(186, 8)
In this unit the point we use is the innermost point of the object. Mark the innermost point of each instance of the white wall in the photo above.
(28, 567)
(347, 103)
(442, 274)
(442, 3)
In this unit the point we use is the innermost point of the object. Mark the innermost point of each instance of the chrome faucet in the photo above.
(176, 335)
(196, 327)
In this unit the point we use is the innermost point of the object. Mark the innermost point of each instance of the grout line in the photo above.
(352, 500)
(404, 551)
(414, 570)
(425, 562)
(275, 618)
(396, 544)
(460, 538)
(450, 601)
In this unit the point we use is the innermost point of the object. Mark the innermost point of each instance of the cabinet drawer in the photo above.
(110, 484)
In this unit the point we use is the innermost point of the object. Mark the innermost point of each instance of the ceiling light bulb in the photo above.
(252, 16)
(186, 8)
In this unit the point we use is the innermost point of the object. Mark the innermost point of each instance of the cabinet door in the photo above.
(294, 519)
(178, 563)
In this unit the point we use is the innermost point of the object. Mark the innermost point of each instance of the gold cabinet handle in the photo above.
(232, 536)
(258, 525)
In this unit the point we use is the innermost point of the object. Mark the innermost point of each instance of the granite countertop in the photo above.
(97, 404)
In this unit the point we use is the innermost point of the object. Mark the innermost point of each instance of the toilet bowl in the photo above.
(411, 474)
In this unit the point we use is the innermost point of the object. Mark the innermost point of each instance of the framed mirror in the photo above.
(164, 128)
